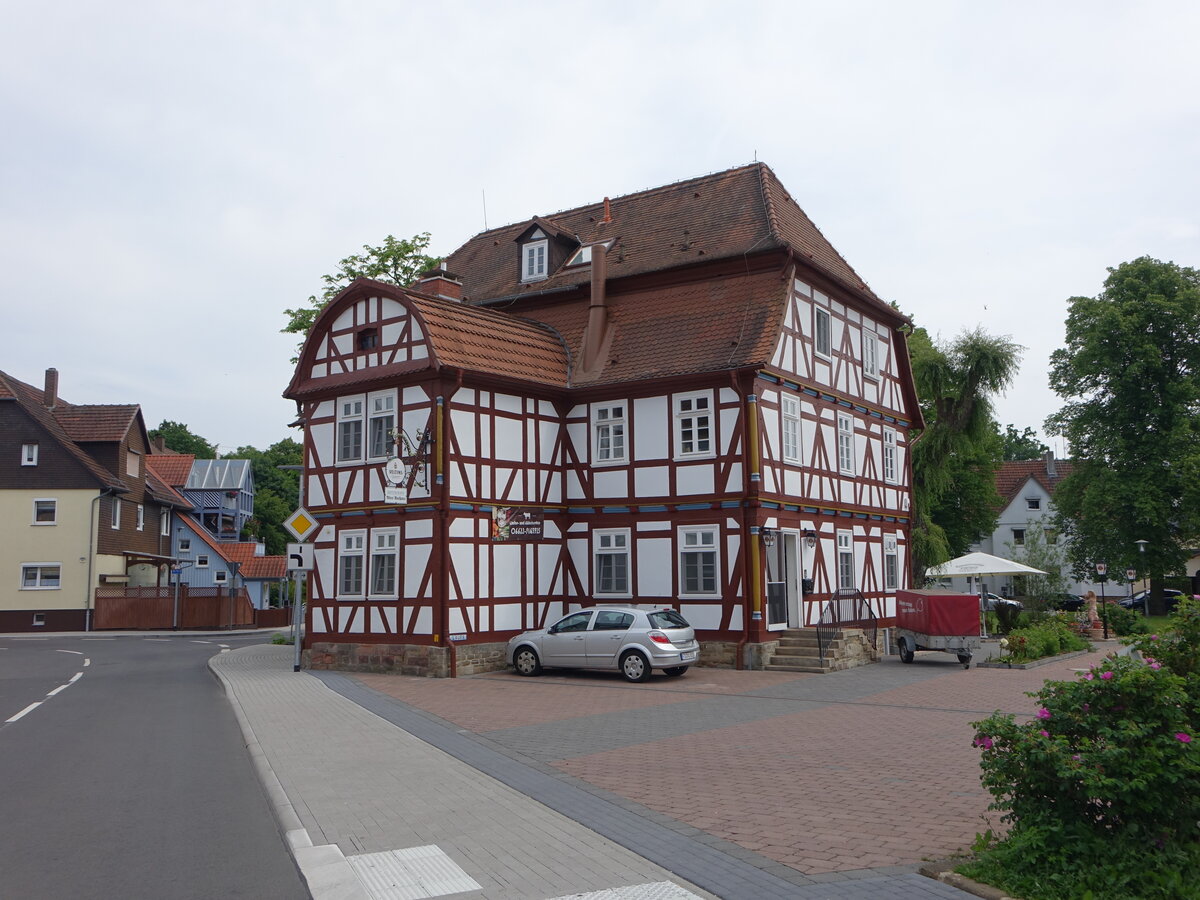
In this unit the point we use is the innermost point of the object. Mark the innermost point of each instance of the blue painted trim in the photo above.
(614, 509)
(580, 510)
(694, 506)
(652, 509)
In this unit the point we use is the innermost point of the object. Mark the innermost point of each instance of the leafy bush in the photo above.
(1048, 636)
(1123, 622)
(1006, 617)
(1101, 789)
(281, 638)
(1179, 647)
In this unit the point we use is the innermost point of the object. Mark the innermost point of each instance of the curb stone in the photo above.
(943, 870)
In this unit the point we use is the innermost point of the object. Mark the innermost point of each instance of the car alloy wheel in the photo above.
(635, 667)
(526, 662)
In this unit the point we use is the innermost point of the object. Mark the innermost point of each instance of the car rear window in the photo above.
(667, 618)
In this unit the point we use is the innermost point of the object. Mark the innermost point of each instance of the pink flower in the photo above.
(1044, 734)
(1089, 676)
(1154, 637)
(1043, 713)
(1107, 676)
(1183, 737)
(1155, 666)
(1076, 757)
(1087, 707)
(984, 742)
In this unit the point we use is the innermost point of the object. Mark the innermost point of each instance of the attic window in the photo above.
(367, 339)
(583, 256)
(533, 260)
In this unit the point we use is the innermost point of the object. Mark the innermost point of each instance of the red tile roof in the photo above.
(86, 424)
(173, 468)
(255, 566)
(723, 215)
(1012, 476)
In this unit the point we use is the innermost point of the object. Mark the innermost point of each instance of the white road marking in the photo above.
(59, 689)
(30, 708)
(86, 661)
(201, 642)
(224, 646)
(99, 639)
(160, 640)
(76, 652)
(75, 677)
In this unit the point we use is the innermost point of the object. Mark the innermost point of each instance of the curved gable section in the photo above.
(370, 330)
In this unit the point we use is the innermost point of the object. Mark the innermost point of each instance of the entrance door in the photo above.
(791, 578)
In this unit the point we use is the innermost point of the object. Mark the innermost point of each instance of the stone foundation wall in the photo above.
(405, 659)
(723, 654)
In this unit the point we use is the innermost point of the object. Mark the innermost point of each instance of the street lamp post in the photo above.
(1102, 576)
(298, 576)
(1141, 545)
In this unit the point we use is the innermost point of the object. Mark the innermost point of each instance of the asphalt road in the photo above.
(123, 773)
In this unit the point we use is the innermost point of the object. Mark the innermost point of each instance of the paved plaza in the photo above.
(717, 784)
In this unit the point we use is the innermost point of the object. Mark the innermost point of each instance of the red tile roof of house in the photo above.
(253, 566)
(719, 216)
(1012, 476)
(173, 468)
(96, 423)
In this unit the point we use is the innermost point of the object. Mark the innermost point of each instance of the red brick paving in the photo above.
(887, 779)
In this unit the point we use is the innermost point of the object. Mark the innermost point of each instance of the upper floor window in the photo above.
(1018, 537)
(822, 335)
(164, 522)
(350, 429)
(693, 425)
(202, 561)
(583, 255)
(889, 456)
(220, 577)
(352, 547)
(845, 445)
(45, 511)
(367, 338)
(133, 463)
(29, 454)
(382, 423)
(185, 545)
(533, 260)
(141, 517)
(1033, 502)
(790, 408)
(608, 424)
(116, 512)
(698, 560)
(611, 549)
(870, 355)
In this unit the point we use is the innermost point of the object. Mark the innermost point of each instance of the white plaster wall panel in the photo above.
(516, 493)
(729, 423)
(456, 622)
(319, 370)
(609, 483)
(462, 527)
(415, 396)
(652, 525)
(416, 558)
(344, 320)
(706, 616)
(323, 561)
(484, 483)
(508, 439)
(485, 571)
(780, 358)
(508, 403)
(548, 431)
(547, 561)
(350, 620)
(464, 480)
(383, 619)
(483, 614)
(770, 434)
(463, 424)
(651, 482)
(322, 442)
(655, 567)
(423, 623)
(769, 484)
(390, 335)
(575, 489)
(506, 570)
(350, 486)
(727, 395)
(418, 529)
(314, 492)
(694, 479)
(735, 621)
(551, 531)
(320, 623)
(651, 428)
(793, 483)
(733, 484)
(801, 287)
(578, 528)
(343, 343)
(507, 617)
(577, 434)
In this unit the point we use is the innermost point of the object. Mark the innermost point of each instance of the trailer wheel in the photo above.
(906, 652)
(965, 659)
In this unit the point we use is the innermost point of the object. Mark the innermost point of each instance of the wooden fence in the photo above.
(153, 608)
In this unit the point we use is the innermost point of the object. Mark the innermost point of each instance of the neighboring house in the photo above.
(219, 498)
(684, 396)
(79, 507)
(1026, 489)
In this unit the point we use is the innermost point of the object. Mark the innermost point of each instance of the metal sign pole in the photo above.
(298, 575)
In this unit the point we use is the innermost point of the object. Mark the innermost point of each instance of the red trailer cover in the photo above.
(937, 612)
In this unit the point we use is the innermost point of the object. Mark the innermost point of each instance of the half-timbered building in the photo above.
(684, 396)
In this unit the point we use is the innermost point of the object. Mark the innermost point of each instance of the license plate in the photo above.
(684, 657)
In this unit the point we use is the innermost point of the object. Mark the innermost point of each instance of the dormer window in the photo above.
(583, 256)
(534, 255)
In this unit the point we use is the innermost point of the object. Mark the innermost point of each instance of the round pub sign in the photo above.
(394, 470)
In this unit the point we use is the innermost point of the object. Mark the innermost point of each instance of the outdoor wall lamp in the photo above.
(768, 536)
(810, 538)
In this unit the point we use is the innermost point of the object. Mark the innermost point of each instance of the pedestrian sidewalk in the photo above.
(372, 812)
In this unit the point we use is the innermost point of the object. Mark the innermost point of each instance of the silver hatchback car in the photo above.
(633, 641)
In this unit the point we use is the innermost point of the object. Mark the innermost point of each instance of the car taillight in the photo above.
(658, 637)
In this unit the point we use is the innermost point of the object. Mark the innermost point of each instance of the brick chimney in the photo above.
(1051, 470)
(440, 283)
(50, 395)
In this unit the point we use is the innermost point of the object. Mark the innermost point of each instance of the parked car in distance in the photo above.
(625, 639)
(1138, 600)
(1067, 602)
(991, 601)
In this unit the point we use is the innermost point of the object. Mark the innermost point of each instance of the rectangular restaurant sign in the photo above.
(511, 524)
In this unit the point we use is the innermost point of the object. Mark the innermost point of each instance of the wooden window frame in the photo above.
(619, 546)
(707, 415)
(53, 520)
(790, 441)
(702, 548)
(847, 463)
(614, 429)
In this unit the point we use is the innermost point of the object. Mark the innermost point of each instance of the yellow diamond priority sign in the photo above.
(301, 524)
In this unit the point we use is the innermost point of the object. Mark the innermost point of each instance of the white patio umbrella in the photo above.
(981, 564)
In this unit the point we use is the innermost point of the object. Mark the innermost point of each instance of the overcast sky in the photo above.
(174, 175)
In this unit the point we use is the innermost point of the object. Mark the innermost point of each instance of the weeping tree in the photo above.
(955, 457)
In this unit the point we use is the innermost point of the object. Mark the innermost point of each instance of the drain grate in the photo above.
(659, 890)
(411, 874)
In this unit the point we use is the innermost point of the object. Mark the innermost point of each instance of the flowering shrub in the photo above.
(1178, 648)
(1101, 788)
(1048, 636)
(1123, 622)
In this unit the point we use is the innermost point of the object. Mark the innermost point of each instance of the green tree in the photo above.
(1043, 550)
(276, 491)
(1130, 373)
(955, 458)
(395, 261)
(1018, 445)
(179, 437)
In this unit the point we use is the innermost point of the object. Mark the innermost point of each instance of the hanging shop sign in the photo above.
(513, 524)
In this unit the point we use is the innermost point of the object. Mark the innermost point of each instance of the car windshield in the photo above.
(667, 618)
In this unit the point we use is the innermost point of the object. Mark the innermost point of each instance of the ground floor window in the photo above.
(845, 542)
(350, 562)
(41, 576)
(698, 560)
(611, 550)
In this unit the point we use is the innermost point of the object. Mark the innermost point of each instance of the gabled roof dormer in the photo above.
(543, 247)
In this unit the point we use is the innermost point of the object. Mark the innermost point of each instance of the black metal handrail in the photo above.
(846, 608)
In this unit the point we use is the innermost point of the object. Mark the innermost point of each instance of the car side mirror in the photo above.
(553, 629)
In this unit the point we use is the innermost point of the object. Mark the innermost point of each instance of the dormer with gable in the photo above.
(542, 249)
